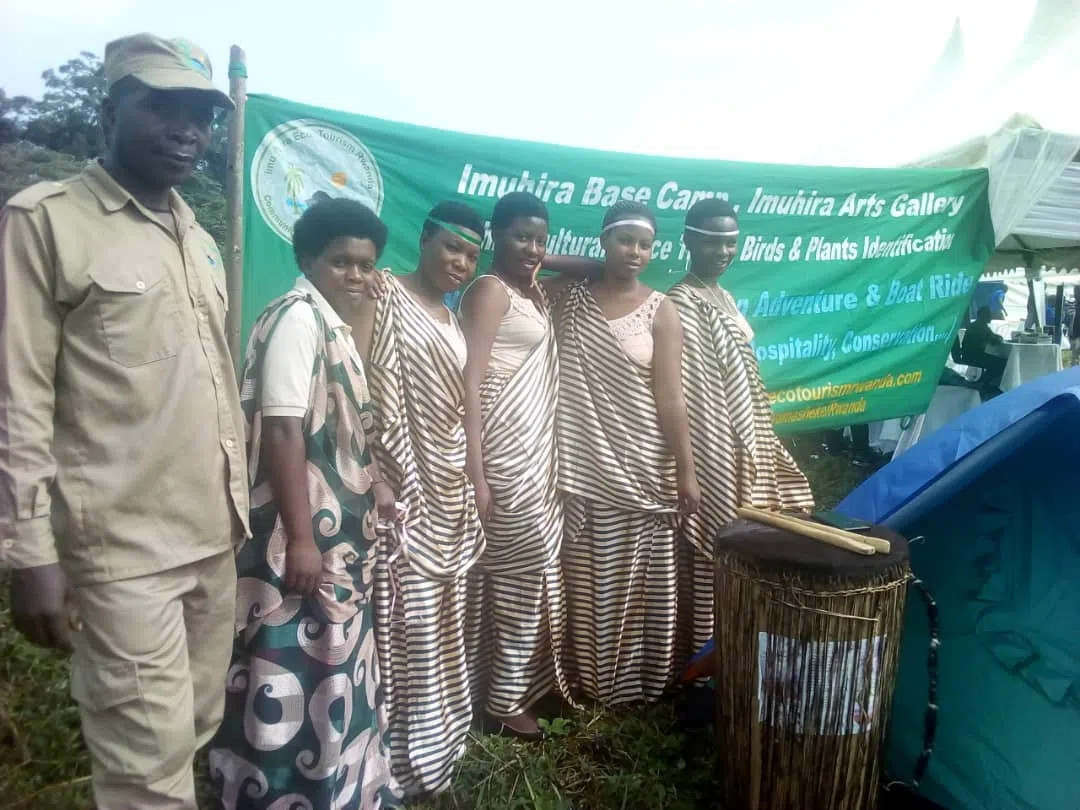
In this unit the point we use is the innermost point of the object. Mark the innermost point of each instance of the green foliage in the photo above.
(12, 116)
(22, 164)
(599, 759)
(43, 763)
(206, 196)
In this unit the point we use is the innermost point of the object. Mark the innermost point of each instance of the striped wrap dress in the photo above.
(738, 458)
(618, 476)
(517, 603)
(417, 387)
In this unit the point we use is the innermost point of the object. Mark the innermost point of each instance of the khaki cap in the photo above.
(163, 64)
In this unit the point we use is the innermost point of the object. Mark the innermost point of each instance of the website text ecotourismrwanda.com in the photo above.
(816, 393)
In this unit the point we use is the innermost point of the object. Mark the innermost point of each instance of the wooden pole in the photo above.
(234, 203)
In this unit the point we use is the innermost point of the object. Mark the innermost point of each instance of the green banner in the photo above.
(855, 280)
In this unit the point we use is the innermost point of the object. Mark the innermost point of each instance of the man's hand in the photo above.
(39, 606)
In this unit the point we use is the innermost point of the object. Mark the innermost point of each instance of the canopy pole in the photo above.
(234, 203)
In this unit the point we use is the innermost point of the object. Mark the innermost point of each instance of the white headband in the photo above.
(632, 223)
(704, 232)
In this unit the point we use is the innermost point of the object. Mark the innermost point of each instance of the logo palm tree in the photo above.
(294, 188)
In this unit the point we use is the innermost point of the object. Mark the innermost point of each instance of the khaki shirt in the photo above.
(121, 434)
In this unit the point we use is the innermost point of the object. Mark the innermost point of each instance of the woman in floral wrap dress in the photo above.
(304, 701)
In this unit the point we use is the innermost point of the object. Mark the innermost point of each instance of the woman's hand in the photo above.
(303, 567)
(689, 494)
(378, 283)
(484, 502)
(385, 508)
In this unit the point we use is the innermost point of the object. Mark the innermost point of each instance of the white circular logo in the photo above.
(302, 161)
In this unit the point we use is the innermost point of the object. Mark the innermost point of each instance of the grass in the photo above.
(596, 759)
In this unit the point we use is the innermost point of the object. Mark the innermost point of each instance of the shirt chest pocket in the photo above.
(138, 315)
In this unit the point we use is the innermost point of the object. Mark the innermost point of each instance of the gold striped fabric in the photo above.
(737, 455)
(518, 600)
(420, 588)
(619, 560)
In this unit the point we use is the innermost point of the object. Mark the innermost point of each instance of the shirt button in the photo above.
(8, 543)
(229, 443)
(140, 286)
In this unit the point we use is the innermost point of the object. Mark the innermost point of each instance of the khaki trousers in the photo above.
(148, 673)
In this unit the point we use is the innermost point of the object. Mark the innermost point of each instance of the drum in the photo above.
(807, 641)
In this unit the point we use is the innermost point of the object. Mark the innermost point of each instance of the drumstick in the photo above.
(825, 534)
(879, 544)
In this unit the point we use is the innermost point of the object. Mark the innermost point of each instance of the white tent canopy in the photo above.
(1034, 193)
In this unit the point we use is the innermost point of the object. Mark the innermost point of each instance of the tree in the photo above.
(13, 113)
(68, 117)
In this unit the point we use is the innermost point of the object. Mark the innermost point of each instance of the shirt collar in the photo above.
(114, 196)
(333, 320)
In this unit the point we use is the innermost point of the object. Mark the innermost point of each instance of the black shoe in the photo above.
(492, 725)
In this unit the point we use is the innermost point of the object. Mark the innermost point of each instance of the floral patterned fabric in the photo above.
(303, 726)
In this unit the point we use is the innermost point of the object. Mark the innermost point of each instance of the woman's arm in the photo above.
(568, 270)
(284, 397)
(284, 457)
(363, 326)
(670, 403)
(482, 307)
(572, 266)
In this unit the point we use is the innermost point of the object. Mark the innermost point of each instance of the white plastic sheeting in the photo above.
(1034, 191)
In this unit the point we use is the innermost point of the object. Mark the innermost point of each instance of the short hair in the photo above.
(628, 209)
(331, 219)
(515, 205)
(709, 208)
(454, 213)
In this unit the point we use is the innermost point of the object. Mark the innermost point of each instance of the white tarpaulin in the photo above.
(1034, 192)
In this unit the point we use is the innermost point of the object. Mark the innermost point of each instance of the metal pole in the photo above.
(234, 203)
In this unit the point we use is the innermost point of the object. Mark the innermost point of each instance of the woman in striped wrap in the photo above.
(626, 468)
(740, 461)
(415, 352)
(517, 598)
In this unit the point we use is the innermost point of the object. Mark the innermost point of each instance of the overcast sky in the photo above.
(858, 82)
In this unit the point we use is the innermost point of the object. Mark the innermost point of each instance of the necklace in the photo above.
(435, 308)
(710, 291)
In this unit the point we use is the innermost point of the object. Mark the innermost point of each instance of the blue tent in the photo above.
(996, 496)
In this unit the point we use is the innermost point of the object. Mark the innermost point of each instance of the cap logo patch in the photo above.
(195, 56)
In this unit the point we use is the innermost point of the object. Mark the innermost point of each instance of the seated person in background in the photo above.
(951, 377)
(978, 338)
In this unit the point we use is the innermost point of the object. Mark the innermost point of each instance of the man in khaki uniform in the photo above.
(122, 473)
